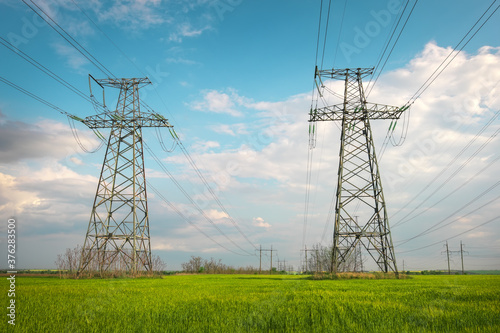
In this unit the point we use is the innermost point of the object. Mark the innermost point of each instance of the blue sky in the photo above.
(234, 77)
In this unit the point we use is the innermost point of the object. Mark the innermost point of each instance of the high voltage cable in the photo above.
(144, 104)
(329, 217)
(105, 35)
(340, 33)
(424, 87)
(319, 32)
(191, 200)
(71, 122)
(187, 219)
(450, 164)
(314, 102)
(393, 46)
(32, 95)
(42, 68)
(56, 77)
(389, 137)
(101, 67)
(436, 226)
(388, 40)
(66, 35)
(455, 236)
(58, 109)
(308, 193)
(318, 173)
(214, 195)
(309, 152)
(404, 130)
(451, 193)
(431, 79)
(109, 73)
(162, 143)
(326, 32)
(451, 176)
(492, 119)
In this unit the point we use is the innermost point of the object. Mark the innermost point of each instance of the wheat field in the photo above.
(253, 303)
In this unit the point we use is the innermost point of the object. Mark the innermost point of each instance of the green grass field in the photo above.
(250, 303)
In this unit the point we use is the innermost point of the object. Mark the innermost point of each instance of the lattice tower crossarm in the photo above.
(118, 235)
(359, 187)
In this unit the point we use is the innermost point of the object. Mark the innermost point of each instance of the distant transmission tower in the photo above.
(118, 232)
(359, 188)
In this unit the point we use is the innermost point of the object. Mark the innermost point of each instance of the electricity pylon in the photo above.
(118, 232)
(359, 188)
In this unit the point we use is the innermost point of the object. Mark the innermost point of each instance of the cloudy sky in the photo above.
(234, 77)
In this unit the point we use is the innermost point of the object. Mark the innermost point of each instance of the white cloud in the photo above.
(228, 101)
(232, 129)
(216, 215)
(131, 14)
(76, 160)
(218, 102)
(46, 138)
(186, 30)
(73, 58)
(259, 222)
(181, 61)
(204, 146)
(479, 234)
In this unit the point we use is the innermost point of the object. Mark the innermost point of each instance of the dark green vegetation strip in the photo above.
(249, 303)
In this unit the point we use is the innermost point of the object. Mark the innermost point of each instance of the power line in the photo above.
(434, 76)
(314, 102)
(144, 104)
(71, 122)
(435, 226)
(308, 193)
(388, 40)
(191, 200)
(340, 33)
(401, 222)
(211, 191)
(451, 176)
(67, 37)
(42, 68)
(36, 97)
(459, 234)
(326, 31)
(105, 35)
(187, 219)
(70, 117)
(319, 32)
(452, 162)
(393, 46)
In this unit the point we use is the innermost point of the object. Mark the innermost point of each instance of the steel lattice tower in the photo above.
(359, 187)
(118, 232)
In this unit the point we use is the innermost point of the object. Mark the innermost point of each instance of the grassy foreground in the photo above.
(249, 303)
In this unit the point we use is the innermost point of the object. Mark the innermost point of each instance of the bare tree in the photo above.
(320, 260)
(67, 263)
(157, 264)
(214, 266)
(193, 265)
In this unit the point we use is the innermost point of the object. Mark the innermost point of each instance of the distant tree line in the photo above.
(214, 266)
